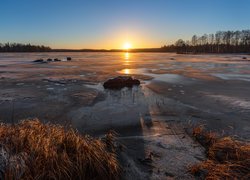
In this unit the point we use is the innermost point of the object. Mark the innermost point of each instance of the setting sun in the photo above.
(127, 45)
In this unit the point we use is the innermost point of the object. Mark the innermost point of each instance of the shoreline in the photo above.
(135, 50)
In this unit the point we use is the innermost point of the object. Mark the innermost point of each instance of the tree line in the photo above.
(220, 42)
(18, 47)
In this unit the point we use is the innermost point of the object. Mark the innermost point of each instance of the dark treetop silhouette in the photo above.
(220, 42)
(17, 47)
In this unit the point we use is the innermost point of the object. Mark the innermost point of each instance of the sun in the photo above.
(127, 45)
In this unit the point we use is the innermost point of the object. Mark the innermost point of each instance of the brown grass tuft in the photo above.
(206, 139)
(228, 149)
(211, 170)
(32, 150)
(227, 157)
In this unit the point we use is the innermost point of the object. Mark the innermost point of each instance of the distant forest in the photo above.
(17, 47)
(220, 42)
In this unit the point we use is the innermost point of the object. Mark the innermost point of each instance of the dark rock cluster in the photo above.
(50, 60)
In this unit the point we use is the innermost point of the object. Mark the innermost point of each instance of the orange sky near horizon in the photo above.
(109, 42)
(138, 38)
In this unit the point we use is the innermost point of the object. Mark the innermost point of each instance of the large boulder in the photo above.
(120, 82)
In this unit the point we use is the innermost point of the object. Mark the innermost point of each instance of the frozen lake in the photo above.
(177, 92)
(208, 89)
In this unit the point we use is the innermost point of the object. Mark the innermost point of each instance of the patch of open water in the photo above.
(165, 77)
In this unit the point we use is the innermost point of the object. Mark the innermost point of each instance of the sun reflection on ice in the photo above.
(126, 71)
(126, 55)
(126, 58)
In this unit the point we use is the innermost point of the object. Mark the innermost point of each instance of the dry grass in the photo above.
(227, 157)
(212, 170)
(206, 139)
(32, 150)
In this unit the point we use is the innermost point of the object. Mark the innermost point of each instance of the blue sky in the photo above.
(110, 23)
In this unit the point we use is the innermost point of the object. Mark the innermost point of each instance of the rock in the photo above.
(39, 61)
(69, 58)
(169, 174)
(54, 81)
(120, 82)
(57, 59)
(172, 58)
(49, 60)
(244, 57)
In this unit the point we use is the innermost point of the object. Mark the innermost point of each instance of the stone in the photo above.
(120, 82)
(169, 174)
(69, 58)
(39, 61)
(49, 59)
(56, 59)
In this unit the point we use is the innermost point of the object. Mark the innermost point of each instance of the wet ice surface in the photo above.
(171, 72)
(120, 108)
(242, 77)
(241, 104)
(169, 78)
(128, 107)
(175, 90)
(146, 127)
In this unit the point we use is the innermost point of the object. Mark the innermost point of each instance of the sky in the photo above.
(108, 24)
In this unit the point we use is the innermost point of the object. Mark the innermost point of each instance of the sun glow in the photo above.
(127, 46)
